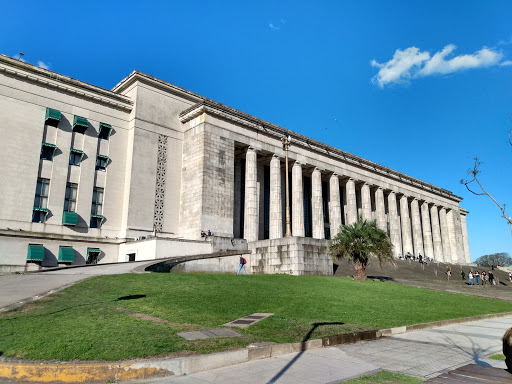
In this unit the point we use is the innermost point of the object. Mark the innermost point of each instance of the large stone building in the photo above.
(91, 175)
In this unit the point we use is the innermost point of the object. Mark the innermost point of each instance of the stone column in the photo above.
(351, 202)
(394, 225)
(406, 225)
(366, 202)
(334, 204)
(436, 233)
(455, 232)
(417, 237)
(427, 231)
(317, 211)
(297, 201)
(251, 214)
(445, 236)
(380, 210)
(463, 222)
(276, 209)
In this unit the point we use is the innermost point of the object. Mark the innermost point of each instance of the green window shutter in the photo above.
(80, 124)
(81, 153)
(50, 146)
(66, 254)
(101, 217)
(104, 157)
(69, 218)
(35, 252)
(52, 116)
(105, 130)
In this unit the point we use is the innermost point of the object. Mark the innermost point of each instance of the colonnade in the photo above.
(414, 225)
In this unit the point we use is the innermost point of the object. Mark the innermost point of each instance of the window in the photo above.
(35, 252)
(105, 131)
(47, 151)
(93, 255)
(52, 117)
(66, 254)
(70, 197)
(80, 124)
(101, 162)
(97, 208)
(41, 201)
(75, 157)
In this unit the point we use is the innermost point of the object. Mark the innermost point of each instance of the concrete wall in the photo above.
(291, 255)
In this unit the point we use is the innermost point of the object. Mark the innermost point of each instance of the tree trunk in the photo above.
(360, 271)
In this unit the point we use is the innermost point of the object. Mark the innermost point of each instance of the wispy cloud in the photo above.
(412, 63)
(40, 64)
(273, 27)
(506, 63)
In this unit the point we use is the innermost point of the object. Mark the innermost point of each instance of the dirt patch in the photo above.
(154, 319)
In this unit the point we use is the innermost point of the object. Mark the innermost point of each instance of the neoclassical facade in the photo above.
(137, 172)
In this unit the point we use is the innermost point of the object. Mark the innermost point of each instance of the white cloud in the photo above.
(40, 64)
(506, 63)
(400, 67)
(273, 27)
(412, 63)
(482, 58)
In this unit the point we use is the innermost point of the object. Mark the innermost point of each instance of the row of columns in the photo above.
(435, 232)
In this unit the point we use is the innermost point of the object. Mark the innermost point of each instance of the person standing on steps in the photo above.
(470, 278)
(242, 265)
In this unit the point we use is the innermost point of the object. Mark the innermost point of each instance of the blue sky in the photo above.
(418, 86)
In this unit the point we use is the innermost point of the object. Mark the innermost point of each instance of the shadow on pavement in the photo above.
(302, 350)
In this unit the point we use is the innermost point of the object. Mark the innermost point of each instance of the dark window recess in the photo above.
(101, 162)
(97, 208)
(105, 131)
(266, 197)
(75, 157)
(52, 117)
(307, 206)
(80, 124)
(325, 200)
(93, 255)
(40, 210)
(242, 198)
(70, 197)
(47, 151)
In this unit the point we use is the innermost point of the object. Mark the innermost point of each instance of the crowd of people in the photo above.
(421, 259)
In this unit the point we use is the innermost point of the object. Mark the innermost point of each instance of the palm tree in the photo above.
(359, 242)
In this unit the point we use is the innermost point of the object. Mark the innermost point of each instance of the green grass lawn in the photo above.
(385, 377)
(87, 321)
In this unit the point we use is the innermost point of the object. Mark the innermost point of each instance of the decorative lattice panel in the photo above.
(161, 167)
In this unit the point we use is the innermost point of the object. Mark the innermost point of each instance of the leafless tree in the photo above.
(473, 173)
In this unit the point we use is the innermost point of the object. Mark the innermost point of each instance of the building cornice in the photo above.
(63, 83)
(157, 83)
(227, 113)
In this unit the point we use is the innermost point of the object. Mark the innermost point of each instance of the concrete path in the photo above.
(17, 289)
(421, 353)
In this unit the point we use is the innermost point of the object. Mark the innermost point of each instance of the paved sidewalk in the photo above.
(317, 366)
(425, 354)
(16, 289)
(430, 352)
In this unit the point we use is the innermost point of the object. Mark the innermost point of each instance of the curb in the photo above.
(143, 369)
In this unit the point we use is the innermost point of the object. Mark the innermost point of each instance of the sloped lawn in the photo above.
(126, 316)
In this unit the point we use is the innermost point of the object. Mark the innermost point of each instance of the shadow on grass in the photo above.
(381, 278)
(130, 297)
(302, 350)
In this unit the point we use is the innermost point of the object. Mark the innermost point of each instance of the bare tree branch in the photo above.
(474, 172)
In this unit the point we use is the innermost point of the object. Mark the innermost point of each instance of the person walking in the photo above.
(463, 275)
(491, 278)
(470, 278)
(510, 277)
(477, 277)
(242, 265)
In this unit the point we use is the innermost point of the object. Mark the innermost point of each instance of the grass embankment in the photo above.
(385, 377)
(88, 321)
